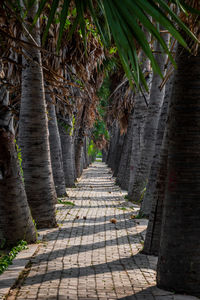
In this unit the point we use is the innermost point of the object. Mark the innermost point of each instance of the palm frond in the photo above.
(126, 22)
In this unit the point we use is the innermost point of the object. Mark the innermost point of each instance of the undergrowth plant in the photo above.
(6, 260)
(19, 156)
(65, 202)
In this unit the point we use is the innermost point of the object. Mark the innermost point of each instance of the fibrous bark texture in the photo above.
(179, 261)
(15, 217)
(152, 239)
(124, 162)
(139, 115)
(151, 185)
(34, 136)
(150, 130)
(113, 140)
(117, 153)
(67, 154)
(55, 150)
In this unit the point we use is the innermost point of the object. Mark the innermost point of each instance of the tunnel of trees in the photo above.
(78, 77)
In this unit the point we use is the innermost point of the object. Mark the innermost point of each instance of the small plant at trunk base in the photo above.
(6, 260)
(142, 194)
(34, 223)
(140, 216)
(142, 244)
(122, 208)
(65, 202)
(19, 155)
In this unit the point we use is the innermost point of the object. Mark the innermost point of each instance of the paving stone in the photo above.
(87, 256)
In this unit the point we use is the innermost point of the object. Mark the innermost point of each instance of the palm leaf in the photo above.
(54, 7)
(186, 8)
(39, 11)
(124, 21)
(80, 15)
(96, 22)
(63, 18)
(177, 20)
(159, 16)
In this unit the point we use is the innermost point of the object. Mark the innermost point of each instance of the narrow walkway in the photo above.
(94, 252)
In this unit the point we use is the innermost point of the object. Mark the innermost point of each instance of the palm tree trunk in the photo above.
(85, 147)
(104, 155)
(34, 136)
(82, 161)
(139, 116)
(55, 150)
(67, 154)
(124, 165)
(179, 263)
(79, 141)
(15, 216)
(112, 146)
(152, 239)
(150, 130)
(149, 194)
(117, 153)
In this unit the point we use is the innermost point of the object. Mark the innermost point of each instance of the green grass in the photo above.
(122, 208)
(66, 202)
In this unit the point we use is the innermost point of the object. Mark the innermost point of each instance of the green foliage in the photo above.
(100, 130)
(99, 154)
(6, 260)
(124, 25)
(140, 216)
(35, 225)
(92, 150)
(19, 156)
(73, 125)
(122, 208)
(69, 129)
(142, 194)
(65, 202)
(104, 91)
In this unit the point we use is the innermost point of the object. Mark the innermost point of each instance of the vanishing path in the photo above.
(88, 256)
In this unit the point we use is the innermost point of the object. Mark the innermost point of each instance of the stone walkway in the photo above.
(94, 254)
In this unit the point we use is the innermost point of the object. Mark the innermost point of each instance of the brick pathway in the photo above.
(88, 257)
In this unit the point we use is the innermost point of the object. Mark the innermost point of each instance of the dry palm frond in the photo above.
(121, 104)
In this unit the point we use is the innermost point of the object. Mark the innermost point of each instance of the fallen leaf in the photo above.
(114, 221)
